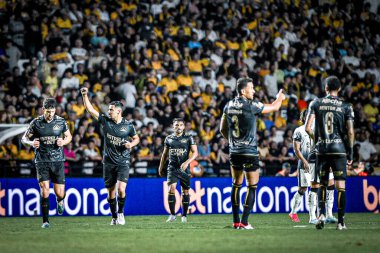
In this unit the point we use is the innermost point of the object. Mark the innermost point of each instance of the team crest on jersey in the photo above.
(123, 129)
(56, 127)
(237, 104)
(183, 141)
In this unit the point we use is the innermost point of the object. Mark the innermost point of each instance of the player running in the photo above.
(45, 136)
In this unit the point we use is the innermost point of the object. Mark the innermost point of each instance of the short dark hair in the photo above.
(242, 83)
(49, 103)
(178, 120)
(332, 83)
(117, 104)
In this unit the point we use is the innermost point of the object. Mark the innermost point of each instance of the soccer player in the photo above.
(177, 147)
(45, 136)
(334, 120)
(305, 152)
(238, 126)
(302, 145)
(313, 193)
(119, 137)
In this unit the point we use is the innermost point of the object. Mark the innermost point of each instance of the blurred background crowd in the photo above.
(166, 59)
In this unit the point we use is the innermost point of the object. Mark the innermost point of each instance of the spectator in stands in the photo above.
(178, 48)
(91, 155)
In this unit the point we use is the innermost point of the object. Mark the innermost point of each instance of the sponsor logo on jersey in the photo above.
(123, 129)
(328, 141)
(183, 141)
(177, 151)
(331, 101)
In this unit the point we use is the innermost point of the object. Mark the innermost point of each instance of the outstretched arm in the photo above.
(94, 113)
(276, 105)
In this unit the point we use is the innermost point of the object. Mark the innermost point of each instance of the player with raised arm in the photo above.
(45, 136)
(238, 126)
(177, 147)
(119, 137)
(334, 137)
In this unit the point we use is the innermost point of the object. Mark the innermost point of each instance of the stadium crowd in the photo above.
(167, 59)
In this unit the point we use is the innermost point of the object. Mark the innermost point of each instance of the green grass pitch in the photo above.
(203, 233)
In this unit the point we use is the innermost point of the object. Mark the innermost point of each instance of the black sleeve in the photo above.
(30, 132)
(133, 131)
(102, 119)
(349, 113)
(257, 107)
(313, 107)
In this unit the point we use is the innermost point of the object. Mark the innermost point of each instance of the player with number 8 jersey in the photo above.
(334, 138)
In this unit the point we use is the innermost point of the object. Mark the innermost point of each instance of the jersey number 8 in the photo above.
(329, 122)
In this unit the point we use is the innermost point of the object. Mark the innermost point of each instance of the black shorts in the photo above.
(244, 162)
(337, 163)
(113, 173)
(51, 171)
(174, 176)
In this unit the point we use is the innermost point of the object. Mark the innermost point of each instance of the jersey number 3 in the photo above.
(329, 122)
(236, 131)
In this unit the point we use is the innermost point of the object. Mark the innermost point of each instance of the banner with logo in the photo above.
(146, 196)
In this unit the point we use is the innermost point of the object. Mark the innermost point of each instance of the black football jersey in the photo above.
(331, 115)
(115, 136)
(179, 149)
(241, 115)
(47, 133)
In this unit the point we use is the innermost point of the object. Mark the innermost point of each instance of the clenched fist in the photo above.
(36, 143)
(84, 91)
(59, 142)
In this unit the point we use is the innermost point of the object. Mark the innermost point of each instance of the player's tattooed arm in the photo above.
(224, 127)
(94, 113)
(28, 142)
(351, 140)
(309, 123)
(164, 157)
